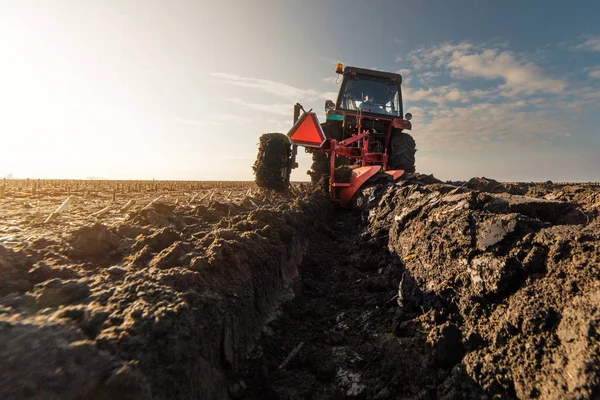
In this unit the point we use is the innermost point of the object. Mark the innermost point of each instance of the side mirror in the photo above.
(408, 116)
(329, 105)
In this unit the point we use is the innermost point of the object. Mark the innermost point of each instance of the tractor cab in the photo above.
(369, 91)
(367, 100)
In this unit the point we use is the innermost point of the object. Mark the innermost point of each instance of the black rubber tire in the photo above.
(402, 149)
(272, 165)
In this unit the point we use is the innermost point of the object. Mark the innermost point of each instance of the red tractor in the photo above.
(362, 140)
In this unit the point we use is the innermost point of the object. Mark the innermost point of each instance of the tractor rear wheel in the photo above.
(272, 165)
(402, 152)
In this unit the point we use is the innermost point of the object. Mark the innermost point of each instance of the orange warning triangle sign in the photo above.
(307, 131)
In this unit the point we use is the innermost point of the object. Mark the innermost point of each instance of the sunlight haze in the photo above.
(183, 89)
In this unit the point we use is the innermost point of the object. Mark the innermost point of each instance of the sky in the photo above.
(147, 89)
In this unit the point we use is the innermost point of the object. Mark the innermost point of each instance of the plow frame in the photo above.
(355, 147)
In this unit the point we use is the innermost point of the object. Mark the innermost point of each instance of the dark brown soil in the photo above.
(516, 278)
(435, 291)
(356, 341)
(159, 303)
(475, 290)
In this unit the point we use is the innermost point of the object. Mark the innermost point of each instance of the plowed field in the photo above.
(166, 290)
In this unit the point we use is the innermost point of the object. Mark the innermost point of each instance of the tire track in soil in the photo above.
(355, 341)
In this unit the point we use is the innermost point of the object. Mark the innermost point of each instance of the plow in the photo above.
(363, 140)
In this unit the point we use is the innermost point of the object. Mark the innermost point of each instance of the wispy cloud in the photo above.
(518, 104)
(594, 73)
(519, 76)
(333, 79)
(278, 109)
(586, 43)
(113, 113)
(447, 94)
(427, 57)
(485, 126)
(212, 120)
(465, 60)
(280, 89)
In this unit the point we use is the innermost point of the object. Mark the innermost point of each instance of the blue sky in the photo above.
(183, 89)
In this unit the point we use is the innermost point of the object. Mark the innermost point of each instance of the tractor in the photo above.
(363, 139)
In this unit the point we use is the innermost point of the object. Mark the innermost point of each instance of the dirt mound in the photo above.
(91, 242)
(501, 270)
(344, 336)
(46, 358)
(493, 186)
(13, 268)
(342, 174)
(163, 304)
(439, 291)
(427, 179)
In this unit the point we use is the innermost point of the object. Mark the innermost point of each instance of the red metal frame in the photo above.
(343, 192)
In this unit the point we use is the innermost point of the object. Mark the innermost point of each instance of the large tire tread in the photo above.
(401, 155)
(272, 165)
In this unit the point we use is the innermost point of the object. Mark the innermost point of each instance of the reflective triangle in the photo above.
(307, 131)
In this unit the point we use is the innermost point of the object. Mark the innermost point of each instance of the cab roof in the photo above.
(392, 77)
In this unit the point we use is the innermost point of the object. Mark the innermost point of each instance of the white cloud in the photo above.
(286, 109)
(427, 57)
(445, 94)
(269, 86)
(466, 60)
(484, 126)
(333, 79)
(595, 73)
(519, 76)
(329, 95)
(588, 43)
(426, 76)
(212, 120)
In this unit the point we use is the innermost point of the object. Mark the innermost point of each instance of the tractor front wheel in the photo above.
(272, 165)
(402, 151)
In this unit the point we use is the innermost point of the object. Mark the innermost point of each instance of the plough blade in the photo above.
(358, 178)
(395, 173)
